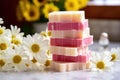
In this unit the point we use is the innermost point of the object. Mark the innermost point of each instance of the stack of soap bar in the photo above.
(70, 38)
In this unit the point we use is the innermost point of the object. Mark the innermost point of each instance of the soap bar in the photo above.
(68, 25)
(71, 33)
(67, 42)
(62, 58)
(68, 66)
(68, 51)
(67, 16)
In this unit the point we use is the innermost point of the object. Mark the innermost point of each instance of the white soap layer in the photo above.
(69, 51)
(67, 16)
(70, 33)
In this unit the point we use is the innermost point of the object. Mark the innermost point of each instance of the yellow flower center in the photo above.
(43, 33)
(32, 13)
(113, 57)
(16, 41)
(49, 33)
(17, 59)
(3, 46)
(35, 48)
(71, 4)
(27, 65)
(47, 63)
(13, 36)
(1, 31)
(2, 63)
(48, 52)
(34, 60)
(100, 65)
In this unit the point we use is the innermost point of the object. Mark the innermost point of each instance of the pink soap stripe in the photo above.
(68, 25)
(66, 42)
(62, 58)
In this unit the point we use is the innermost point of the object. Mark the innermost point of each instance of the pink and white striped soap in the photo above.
(69, 41)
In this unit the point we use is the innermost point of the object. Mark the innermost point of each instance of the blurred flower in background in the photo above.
(1, 21)
(38, 10)
(49, 7)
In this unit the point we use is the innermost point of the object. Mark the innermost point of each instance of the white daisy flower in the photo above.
(5, 32)
(49, 55)
(16, 31)
(1, 21)
(115, 54)
(3, 63)
(17, 58)
(46, 34)
(34, 65)
(16, 35)
(4, 44)
(100, 61)
(36, 48)
(36, 36)
(17, 41)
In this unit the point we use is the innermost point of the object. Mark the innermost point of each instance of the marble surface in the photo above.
(113, 74)
(73, 75)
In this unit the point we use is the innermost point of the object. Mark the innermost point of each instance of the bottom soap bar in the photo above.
(70, 66)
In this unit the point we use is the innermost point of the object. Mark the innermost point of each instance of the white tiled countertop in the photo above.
(73, 75)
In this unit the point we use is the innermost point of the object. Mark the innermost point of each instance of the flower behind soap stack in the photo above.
(16, 36)
(38, 10)
(74, 5)
(1, 21)
(49, 8)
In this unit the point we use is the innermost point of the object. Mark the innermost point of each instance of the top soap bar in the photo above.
(67, 16)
